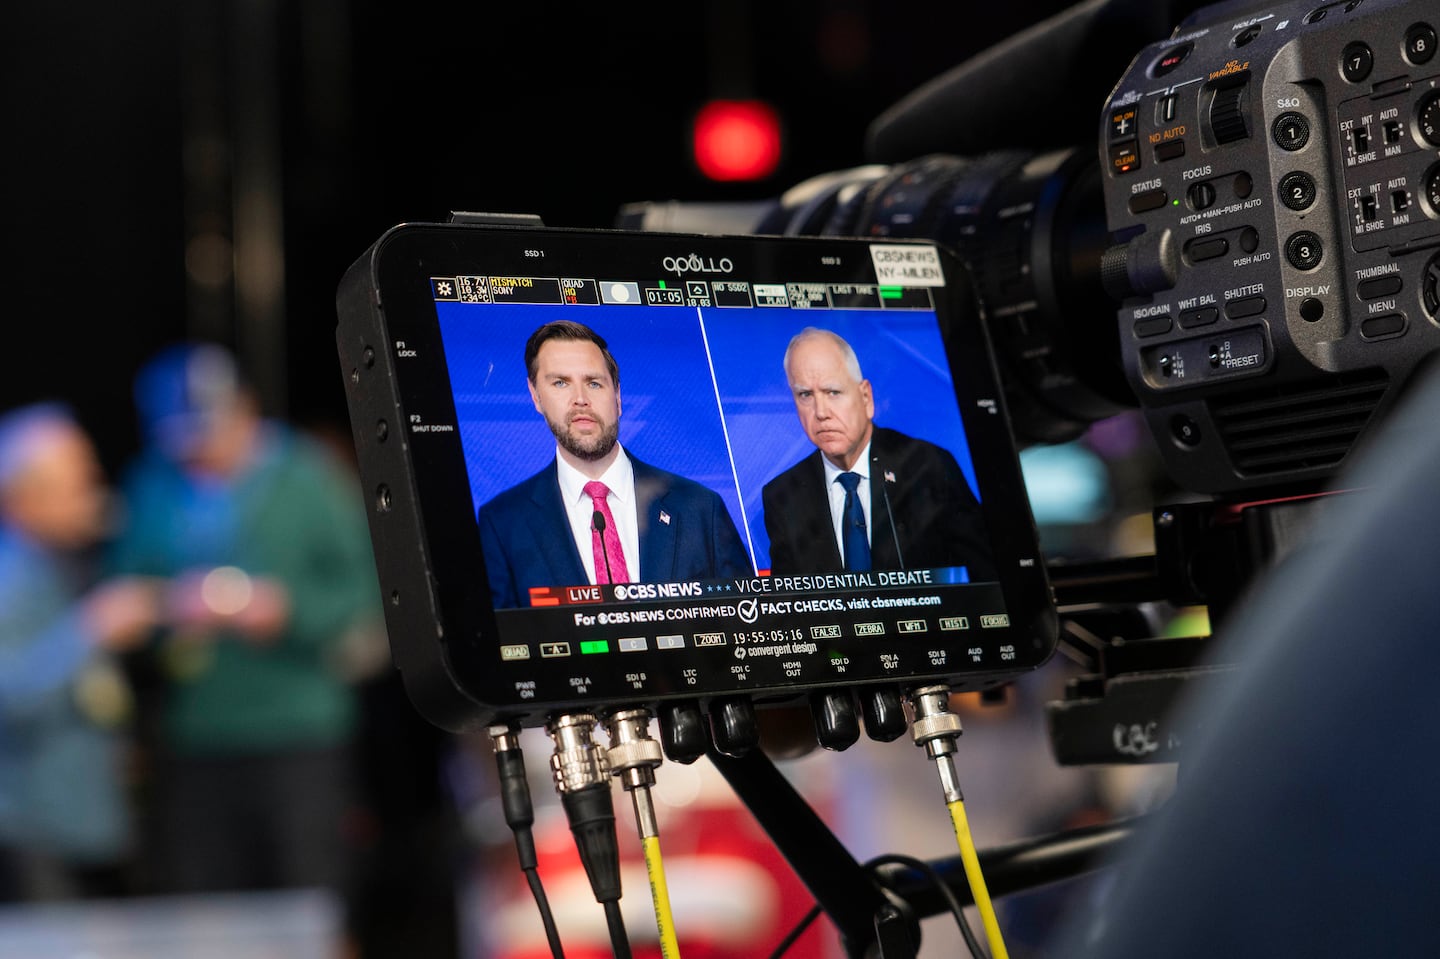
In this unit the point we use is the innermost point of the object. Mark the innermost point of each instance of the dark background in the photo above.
(143, 141)
(209, 169)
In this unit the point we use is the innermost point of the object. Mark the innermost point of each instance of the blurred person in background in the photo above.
(65, 824)
(261, 534)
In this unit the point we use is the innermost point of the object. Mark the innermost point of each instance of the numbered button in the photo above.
(1291, 131)
(1420, 43)
(1297, 190)
(1356, 61)
(1304, 250)
(1185, 430)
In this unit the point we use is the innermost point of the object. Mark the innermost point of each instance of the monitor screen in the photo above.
(644, 466)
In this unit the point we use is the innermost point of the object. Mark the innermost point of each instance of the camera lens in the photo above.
(1032, 231)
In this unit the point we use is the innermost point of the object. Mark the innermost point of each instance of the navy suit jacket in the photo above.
(922, 513)
(685, 533)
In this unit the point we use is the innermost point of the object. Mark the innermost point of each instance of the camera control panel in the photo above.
(1272, 192)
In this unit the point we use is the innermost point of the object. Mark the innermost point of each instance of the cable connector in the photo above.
(520, 817)
(514, 790)
(937, 729)
(634, 757)
(578, 761)
(582, 777)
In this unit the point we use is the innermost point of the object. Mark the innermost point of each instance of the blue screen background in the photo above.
(732, 431)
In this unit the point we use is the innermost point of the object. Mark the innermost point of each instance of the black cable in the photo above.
(520, 817)
(795, 933)
(591, 812)
(547, 918)
(956, 907)
(619, 940)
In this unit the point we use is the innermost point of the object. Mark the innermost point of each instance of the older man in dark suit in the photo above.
(596, 514)
(868, 497)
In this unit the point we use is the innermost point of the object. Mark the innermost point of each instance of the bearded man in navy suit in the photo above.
(596, 513)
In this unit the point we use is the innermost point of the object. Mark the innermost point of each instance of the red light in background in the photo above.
(737, 140)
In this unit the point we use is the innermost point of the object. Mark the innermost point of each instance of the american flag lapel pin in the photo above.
(889, 476)
(665, 517)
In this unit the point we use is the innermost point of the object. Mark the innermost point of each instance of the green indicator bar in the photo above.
(594, 646)
(662, 284)
(891, 292)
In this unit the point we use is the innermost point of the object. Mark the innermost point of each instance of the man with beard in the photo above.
(597, 514)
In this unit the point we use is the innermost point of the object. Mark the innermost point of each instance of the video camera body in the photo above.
(1271, 180)
(1265, 209)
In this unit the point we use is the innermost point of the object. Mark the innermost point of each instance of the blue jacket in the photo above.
(61, 789)
(685, 533)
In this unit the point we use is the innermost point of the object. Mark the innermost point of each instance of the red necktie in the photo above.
(609, 557)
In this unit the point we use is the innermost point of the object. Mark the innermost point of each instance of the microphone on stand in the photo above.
(597, 522)
(889, 514)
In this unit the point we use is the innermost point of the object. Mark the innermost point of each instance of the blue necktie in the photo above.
(857, 544)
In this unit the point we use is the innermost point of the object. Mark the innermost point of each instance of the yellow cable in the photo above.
(660, 893)
(977, 879)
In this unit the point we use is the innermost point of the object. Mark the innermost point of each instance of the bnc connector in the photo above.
(935, 726)
(578, 761)
(633, 755)
(937, 729)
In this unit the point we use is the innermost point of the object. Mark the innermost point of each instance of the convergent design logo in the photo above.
(695, 263)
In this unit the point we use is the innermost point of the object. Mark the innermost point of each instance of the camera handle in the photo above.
(1206, 553)
(877, 913)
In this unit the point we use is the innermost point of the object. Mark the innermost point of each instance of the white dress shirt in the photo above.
(620, 478)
